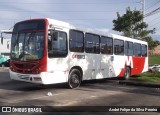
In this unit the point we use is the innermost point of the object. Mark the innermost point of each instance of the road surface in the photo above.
(91, 93)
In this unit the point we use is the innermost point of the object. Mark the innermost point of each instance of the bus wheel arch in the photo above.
(75, 77)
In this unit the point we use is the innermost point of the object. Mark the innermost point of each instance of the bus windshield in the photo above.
(27, 42)
(27, 46)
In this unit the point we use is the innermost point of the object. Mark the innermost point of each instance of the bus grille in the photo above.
(25, 68)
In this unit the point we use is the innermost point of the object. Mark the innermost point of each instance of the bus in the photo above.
(48, 51)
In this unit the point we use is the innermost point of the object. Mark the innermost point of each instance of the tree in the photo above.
(151, 44)
(132, 25)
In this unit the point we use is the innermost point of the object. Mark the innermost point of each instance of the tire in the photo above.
(74, 80)
(127, 73)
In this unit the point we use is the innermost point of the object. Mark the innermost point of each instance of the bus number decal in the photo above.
(129, 61)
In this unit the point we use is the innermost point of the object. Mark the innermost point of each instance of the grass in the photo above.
(154, 59)
(153, 77)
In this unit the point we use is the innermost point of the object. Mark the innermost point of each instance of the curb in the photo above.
(145, 84)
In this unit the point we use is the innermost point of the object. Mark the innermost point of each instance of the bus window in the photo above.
(106, 45)
(118, 47)
(128, 48)
(57, 47)
(137, 49)
(76, 43)
(92, 43)
(144, 50)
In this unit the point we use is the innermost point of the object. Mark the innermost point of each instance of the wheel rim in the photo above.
(74, 81)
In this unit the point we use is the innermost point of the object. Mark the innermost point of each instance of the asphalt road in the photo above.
(91, 93)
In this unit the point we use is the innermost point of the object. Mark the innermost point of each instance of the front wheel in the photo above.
(74, 80)
(127, 73)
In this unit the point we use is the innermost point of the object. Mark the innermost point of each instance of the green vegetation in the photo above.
(148, 77)
(131, 24)
(154, 59)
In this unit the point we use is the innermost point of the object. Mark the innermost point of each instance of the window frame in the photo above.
(143, 50)
(74, 41)
(128, 48)
(114, 47)
(137, 49)
(106, 37)
(66, 46)
(92, 43)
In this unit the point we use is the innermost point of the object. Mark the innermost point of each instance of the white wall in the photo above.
(4, 47)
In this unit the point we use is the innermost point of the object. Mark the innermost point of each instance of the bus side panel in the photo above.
(118, 65)
(96, 74)
(89, 63)
(57, 70)
(107, 69)
(82, 60)
(145, 69)
(88, 67)
(138, 65)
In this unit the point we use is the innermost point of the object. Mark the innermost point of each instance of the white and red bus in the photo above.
(47, 51)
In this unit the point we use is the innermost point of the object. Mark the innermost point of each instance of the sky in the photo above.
(97, 14)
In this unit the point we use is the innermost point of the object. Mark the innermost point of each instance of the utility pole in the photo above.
(143, 10)
(143, 7)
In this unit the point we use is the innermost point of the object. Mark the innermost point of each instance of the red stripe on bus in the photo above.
(138, 66)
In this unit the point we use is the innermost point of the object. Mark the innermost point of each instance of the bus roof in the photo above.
(89, 30)
(57, 23)
(128, 39)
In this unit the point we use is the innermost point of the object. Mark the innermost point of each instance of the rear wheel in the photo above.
(127, 73)
(74, 80)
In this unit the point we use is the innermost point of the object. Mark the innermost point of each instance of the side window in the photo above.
(92, 44)
(57, 47)
(106, 45)
(144, 50)
(128, 48)
(137, 49)
(76, 41)
(118, 47)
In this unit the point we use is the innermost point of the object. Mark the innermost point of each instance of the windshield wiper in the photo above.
(30, 36)
(24, 52)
